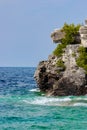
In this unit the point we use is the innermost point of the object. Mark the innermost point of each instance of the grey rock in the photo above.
(57, 36)
(83, 34)
(57, 82)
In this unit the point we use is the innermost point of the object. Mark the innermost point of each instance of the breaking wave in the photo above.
(34, 90)
(51, 101)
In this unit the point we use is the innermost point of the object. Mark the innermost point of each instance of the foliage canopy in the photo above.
(70, 32)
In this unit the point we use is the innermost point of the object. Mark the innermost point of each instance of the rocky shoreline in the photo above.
(64, 80)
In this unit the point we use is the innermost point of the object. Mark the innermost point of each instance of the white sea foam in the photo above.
(52, 101)
(49, 101)
(34, 90)
(80, 104)
(80, 98)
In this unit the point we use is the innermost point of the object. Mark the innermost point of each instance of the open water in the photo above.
(23, 107)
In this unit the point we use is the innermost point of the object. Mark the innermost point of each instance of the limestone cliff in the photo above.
(83, 33)
(67, 79)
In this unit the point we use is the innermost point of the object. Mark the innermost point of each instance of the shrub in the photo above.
(59, 49)
(70, 32)
(60, 64)
(82, 60)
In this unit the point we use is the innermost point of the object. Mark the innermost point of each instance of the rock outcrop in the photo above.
(83, 34)
(57, 81)
(57, 35)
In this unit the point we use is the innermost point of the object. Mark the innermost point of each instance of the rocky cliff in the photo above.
(83, 34)
(61, 76)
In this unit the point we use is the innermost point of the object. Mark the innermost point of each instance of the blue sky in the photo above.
(26, 25)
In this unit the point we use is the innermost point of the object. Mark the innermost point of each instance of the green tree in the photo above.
(70, 32)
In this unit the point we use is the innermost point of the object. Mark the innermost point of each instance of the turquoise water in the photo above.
(23, 107)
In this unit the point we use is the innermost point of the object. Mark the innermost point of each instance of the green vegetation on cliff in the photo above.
(60, 64)
(82, 60)
(59, 49)
(71, 31)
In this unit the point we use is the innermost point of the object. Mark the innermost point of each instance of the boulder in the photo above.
(57, 36)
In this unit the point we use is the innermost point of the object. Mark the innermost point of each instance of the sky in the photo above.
(26, 26)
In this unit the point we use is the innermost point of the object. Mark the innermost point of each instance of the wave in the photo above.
(34, 90)
(80, 104)
(46, 101)
(52, 101)
(37, 99)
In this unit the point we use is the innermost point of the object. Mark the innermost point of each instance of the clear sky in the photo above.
(26, 25)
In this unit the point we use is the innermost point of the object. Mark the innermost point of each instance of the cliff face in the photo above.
(54, 80)
(83, 33)
(67, 79)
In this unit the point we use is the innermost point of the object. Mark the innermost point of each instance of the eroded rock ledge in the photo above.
(57, 81)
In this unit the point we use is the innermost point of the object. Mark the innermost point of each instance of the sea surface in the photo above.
(23, 107)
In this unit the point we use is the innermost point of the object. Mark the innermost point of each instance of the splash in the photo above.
(34, 90)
